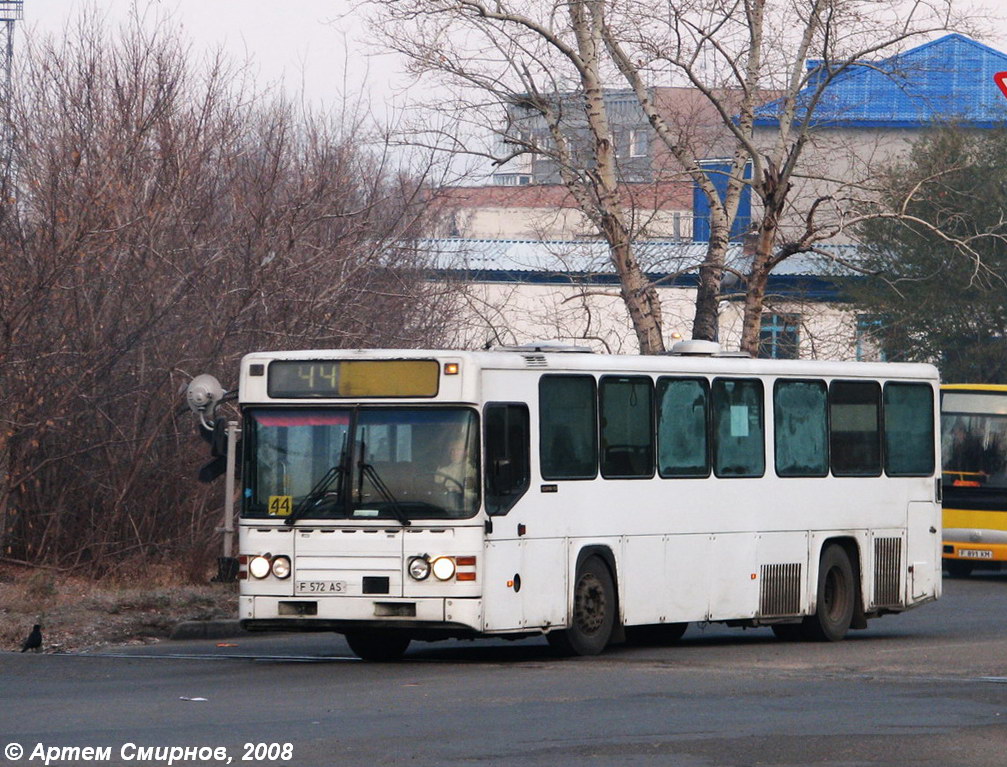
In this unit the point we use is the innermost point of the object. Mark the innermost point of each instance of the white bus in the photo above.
(419, 495)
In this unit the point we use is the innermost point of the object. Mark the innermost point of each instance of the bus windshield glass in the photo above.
(974, 444)
(363, 463)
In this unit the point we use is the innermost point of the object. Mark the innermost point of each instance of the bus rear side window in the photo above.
(568, 427)
(682, 407)
(909, 430)
(855, 423)
(738, 433)
(800, 414)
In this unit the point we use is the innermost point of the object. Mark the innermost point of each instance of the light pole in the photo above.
(10, 12)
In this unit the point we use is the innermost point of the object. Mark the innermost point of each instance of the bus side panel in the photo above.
(783, 574)
(644, 587)
(924, 551)
(502, 609)
(665, 579)
(525, 584)
(733, 584)
(544, 586)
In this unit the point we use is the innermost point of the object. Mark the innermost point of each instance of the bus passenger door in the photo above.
(507, 471)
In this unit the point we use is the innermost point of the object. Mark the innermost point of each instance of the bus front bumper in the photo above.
(979, 552)
(346, 613)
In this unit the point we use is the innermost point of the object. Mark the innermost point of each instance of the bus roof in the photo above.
(516, 359)
(974, 387)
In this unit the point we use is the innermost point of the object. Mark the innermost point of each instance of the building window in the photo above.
(868, 339)
(638, 142)
(779, 337)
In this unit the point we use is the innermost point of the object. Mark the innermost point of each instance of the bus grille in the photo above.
(887, 571)
(780, 590)
(535, 361)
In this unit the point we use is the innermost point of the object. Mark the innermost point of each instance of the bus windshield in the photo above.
(974, 444)
(363, 463)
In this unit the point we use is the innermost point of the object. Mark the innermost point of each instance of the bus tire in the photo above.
(836, 598)
(593, 611)
(378, 646)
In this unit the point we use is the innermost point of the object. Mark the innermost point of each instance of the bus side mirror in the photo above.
(216, 437)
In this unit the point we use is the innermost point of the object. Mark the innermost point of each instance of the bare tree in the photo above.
(532, 65)
(164, 219)
(554, 58)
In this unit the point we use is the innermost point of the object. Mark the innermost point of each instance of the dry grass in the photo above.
(79, 614)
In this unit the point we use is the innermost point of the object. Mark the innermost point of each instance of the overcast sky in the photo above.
(296, 41)
(314, 43)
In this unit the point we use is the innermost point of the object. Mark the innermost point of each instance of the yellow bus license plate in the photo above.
(975, 553)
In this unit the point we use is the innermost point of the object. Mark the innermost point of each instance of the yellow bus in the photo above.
(974, 459)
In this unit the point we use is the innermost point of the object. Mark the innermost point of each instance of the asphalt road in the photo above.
(928, 687)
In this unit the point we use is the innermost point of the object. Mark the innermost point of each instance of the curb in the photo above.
(217, 629)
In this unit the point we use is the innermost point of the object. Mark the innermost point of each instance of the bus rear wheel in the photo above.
(836, 598)
(593, 612)
(378, 646)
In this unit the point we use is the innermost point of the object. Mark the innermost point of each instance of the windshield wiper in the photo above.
(366, 470)
(335, 473)
(318, 492)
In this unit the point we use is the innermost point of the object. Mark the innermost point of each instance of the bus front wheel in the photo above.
(378, 646)
(836, 598)
(593, 611)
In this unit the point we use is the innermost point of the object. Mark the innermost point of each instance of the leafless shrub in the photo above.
(159, 220)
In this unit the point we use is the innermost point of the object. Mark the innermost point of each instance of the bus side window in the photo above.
(801, 433)
(909, 430)
(627, 427)
(568, 427)
(682, 415)
(855, 428)
(739, 447)
(508, 459)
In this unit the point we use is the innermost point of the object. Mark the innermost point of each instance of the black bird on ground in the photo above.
(34, 640)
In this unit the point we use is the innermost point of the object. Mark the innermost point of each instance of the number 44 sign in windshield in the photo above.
(1000, 78)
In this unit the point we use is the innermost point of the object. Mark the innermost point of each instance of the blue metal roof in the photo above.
(948, 80)
(672, 262)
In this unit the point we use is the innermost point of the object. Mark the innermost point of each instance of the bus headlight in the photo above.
(281, 567)
(419, 568)
(443, 568)
(259, 566)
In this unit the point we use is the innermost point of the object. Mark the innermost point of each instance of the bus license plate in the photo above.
(320, 587)
(975, 553)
